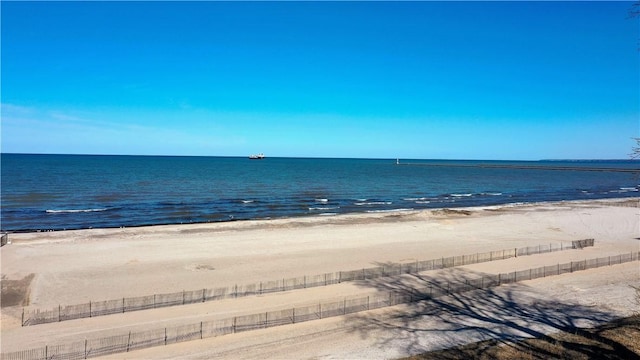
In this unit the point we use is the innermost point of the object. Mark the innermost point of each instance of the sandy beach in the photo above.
(47, 269)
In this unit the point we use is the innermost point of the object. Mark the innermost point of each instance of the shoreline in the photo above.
(347, 218)
(49, 270)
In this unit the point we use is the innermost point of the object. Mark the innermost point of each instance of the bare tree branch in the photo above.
(635, 151)
(634, 10)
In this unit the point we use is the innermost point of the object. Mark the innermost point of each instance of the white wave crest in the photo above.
(373, 203)
(415, 199)
(492, 193)
(461, 195)
(422, 202)
(389, 211)
(75, 211)
(322, 200)
(247, 201)
(324, 208)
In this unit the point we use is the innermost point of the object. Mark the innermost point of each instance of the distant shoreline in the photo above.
(525, 167)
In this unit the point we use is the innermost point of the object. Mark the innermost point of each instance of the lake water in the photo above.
(54, 192)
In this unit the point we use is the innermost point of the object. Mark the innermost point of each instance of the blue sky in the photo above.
(447, 80)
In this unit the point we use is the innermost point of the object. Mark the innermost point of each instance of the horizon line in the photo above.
(325, 157)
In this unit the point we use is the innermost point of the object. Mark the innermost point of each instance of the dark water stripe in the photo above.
(526, 167)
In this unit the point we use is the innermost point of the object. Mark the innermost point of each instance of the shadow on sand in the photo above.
(505, 314)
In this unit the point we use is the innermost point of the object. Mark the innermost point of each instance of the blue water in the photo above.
(54, 192)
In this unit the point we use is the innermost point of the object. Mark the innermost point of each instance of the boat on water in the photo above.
(256, 156)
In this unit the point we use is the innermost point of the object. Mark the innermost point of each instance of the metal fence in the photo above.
(116, 306)
(206, 329)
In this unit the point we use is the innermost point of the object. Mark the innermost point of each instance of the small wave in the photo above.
(462, 195)
(622, 190)
(389, 211)
(492, 193)
(415, 199)
(373, 203)
(328, 214)
(629, 189)
(247, 201)
(322, 200)
(324, 208)
(422, 202)
(74, 211)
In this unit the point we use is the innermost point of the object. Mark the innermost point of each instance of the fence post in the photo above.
(128, 341)
(499, 279)
(123, 305)
(571, 267)
(294, 315)
(154, 301)
(165, 336)
(182, 297)
(203, 290)
(89, 308)
(515, 252)
(320, 310)
(60, 307)
(344, 307)
(200, 330)
(22, 317)
(234, 324)
(367, 302)
(339, 277)
(85, 348)
(46, 351)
